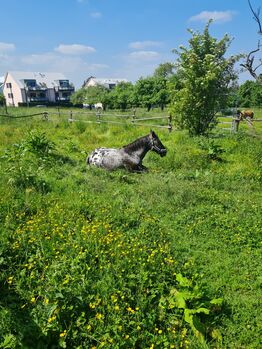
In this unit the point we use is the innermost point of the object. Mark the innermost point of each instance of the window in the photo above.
(10, 95)
(8, 85)
(64, 83)
(30, 83)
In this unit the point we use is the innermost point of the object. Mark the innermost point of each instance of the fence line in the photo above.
(134, 120)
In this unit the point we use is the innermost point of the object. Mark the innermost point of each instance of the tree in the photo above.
(2, 99)
(164, 70)
(144, 90)
(205, 76)
(90, 95)
(249, 63)
(250, 94)
(121, 96)
(78, 97)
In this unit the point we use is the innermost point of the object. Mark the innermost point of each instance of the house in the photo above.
(36, 88)
(107, 83)
(2, 78)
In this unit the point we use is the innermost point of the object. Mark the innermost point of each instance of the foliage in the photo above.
(250, 94)
(164, 70)
(90, 95)
(152, 91)
(2, 99)
(213, 150)
(121, 97)
(205, 75)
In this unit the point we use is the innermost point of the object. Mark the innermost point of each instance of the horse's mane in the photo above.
(137, 144)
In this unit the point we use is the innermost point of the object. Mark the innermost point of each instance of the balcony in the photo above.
(36, 88)
(65, 88)
(38, 99)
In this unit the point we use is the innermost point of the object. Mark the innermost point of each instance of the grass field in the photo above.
(96, 259)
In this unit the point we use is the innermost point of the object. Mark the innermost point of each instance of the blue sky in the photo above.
(113, 38)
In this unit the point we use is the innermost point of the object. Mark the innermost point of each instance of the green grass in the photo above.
(97, 259)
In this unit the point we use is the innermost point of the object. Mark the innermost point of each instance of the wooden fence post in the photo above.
(70, 116)
(169, 123)
(134, 115)
(98, 117)
(45, 116)
(235, 124)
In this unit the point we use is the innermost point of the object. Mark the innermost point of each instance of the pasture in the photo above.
(95, 259)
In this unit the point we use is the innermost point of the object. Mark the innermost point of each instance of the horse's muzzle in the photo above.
(163, 152)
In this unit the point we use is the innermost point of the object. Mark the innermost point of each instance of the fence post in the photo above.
(98, 115)
(235, 125)
(134, 115)
(169, 123)
(45, 116)
(70, 116)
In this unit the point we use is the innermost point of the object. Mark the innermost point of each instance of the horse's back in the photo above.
(108, 158)
(247, 113)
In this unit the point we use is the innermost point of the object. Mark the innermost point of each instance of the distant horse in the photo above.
(245, 114)
(129, 157)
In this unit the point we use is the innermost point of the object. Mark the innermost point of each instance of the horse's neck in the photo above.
(139, 147)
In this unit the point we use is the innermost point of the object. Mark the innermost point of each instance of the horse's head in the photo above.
(156, 144)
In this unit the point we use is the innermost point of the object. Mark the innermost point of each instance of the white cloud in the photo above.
(217, 16)
(141, 45)
(96, 14)
(74, 49)
(144, 55)
(5, 47)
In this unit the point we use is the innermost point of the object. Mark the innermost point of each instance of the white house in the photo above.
(36, 88)
(108, 83)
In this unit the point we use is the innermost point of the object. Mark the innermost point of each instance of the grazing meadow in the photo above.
(96, 259)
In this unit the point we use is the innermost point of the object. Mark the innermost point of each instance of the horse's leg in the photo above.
(132, 167)
(143, 168)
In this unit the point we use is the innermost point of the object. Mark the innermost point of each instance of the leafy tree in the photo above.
(90, 95)
(250, 94)
(121, 96)
(78, 97)
(144, 90)
(205, 76)
(152, 91)
(2, 99)
(160, 92)
(164, 70)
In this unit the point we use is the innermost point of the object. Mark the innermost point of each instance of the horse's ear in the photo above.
(152, 133)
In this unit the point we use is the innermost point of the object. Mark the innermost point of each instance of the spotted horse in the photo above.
(129, 157)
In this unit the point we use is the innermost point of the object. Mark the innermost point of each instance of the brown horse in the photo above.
(245, 114)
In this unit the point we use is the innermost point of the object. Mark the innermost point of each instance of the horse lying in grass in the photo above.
(129, 157)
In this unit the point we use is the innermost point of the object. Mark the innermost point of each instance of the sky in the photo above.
(124, 39)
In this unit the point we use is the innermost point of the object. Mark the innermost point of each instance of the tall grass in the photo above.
(97, 259)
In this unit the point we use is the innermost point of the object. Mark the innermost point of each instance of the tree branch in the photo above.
(256, 16)
(249, 63)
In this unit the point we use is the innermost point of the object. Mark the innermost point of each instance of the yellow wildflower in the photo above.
(63, 334)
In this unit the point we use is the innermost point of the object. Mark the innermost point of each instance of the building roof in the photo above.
(45, 79)
(105, 81)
